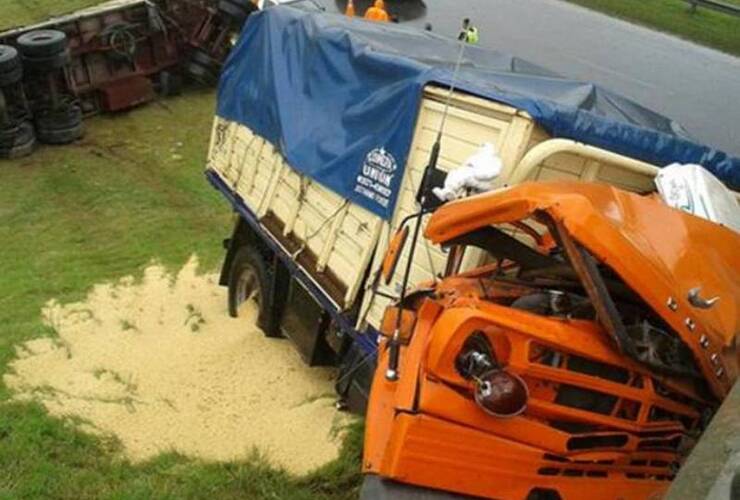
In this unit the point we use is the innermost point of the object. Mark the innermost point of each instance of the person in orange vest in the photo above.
(350, 12)
(377, 12)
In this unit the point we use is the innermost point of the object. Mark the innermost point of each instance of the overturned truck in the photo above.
(107, 58)
(566, 336)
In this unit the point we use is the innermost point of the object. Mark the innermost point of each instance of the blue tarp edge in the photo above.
(339, 98)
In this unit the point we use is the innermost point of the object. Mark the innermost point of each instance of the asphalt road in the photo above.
(694, 85)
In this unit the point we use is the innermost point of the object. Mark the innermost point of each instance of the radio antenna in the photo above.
(461, 52)
(395, 342)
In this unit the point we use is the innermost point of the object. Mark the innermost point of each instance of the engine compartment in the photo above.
(547, 368)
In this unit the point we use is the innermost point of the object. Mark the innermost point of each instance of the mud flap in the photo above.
(305, 322)
(377, 488)
(356, 369)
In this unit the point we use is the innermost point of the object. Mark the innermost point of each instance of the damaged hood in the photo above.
(660, 252)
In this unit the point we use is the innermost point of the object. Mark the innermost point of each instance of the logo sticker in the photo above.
(374, 182)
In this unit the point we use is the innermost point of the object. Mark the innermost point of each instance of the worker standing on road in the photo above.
(377, 12)
(469, 33)
(350, 11)
(472, 37)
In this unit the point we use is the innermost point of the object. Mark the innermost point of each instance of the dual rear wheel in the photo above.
(248, 280)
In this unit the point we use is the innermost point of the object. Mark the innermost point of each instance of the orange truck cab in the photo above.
(580, 358)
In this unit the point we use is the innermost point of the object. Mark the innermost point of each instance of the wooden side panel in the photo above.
(471, 122)
(333, 240)
(336, 241)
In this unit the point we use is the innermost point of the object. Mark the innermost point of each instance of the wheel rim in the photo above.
(247, 287)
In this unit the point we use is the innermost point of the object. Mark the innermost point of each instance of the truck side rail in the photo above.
(366, 342)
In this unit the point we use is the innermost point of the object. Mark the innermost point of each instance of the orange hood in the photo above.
(660, 252)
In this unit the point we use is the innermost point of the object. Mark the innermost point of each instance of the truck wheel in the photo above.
(7, 135)
(59, 126)
(61, 136)
(249, 279)
(170, 84)
(11, 70)
(67, 116)
(11, 77)
(42, 43)
(5, 114)
(9, 59)
(23, 143)
(235, 10)
(47, 64)
(203, 68)
(204, 59)
(201, 75)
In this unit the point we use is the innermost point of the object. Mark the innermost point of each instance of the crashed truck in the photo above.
(567, 335)
(107, 58)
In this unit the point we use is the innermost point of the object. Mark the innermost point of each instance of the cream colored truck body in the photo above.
(335, 241)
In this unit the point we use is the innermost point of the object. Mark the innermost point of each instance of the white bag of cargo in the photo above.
(693, 189)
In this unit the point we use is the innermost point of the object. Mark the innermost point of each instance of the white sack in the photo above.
(693, 189)
(476, 175)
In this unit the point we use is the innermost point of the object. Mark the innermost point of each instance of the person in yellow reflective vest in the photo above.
(350, 11)
(469, 33)
(472, 35)
(377, 12)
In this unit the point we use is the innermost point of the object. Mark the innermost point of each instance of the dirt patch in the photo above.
(160, 365)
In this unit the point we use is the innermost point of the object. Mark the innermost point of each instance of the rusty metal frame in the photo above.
(585, 266)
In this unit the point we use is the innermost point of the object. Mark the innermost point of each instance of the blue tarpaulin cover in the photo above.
(339, 98)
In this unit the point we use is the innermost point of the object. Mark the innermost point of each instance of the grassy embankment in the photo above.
(70, 217)
(707, 27)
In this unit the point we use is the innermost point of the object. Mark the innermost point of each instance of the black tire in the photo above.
(69, 116)
(7, 135)
(11, 77)
(24, 142)
(201, 75)
(9, 59)
(5, 113)
(203, 68)
(19, 151)
(42, 43)
(170, 84)
(47, 64)
(236, 11)
(203, 58)
(60, 136)
(249, 278)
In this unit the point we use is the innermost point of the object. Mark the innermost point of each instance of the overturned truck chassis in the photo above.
(106, 59)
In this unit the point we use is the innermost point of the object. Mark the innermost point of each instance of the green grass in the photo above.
(21, 12)
(133, 190)
(707, 27)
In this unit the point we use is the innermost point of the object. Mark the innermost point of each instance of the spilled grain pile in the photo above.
(161, 366)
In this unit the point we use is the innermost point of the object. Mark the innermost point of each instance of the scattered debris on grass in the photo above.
(160, 365)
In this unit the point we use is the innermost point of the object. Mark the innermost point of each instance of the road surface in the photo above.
(694, 85)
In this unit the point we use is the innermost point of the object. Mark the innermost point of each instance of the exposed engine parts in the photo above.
(661, 349)
(556, 303)
(476, 357)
